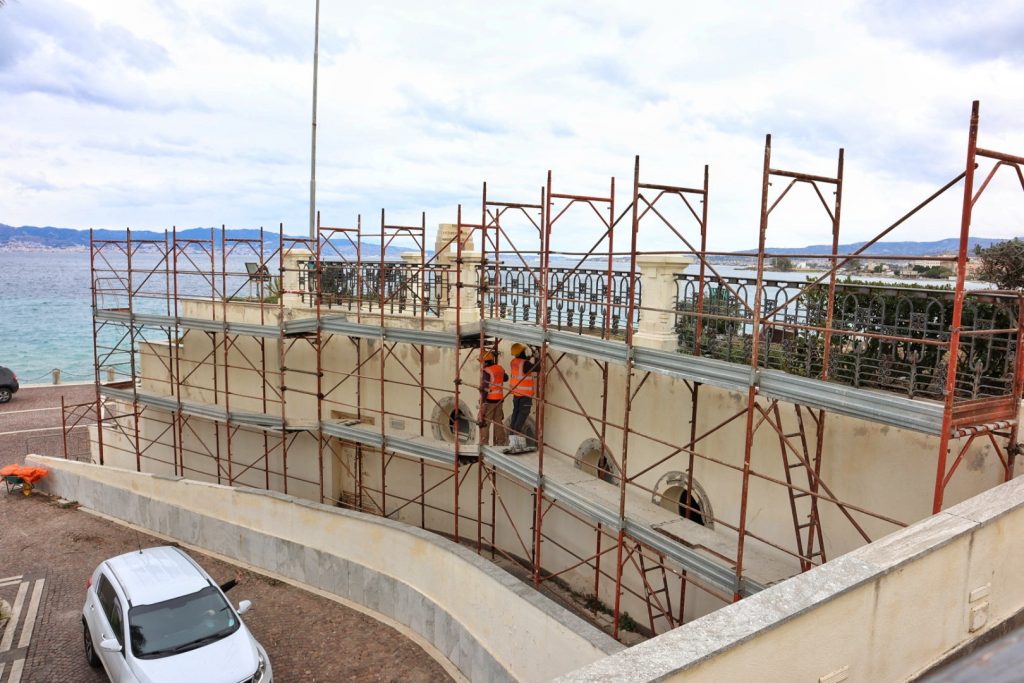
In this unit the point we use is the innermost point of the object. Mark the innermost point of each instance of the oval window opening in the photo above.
(688, 507)
(672, 494)
(450, 422)
(598, 462)
(459, 423)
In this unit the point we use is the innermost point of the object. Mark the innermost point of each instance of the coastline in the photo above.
(35, 248)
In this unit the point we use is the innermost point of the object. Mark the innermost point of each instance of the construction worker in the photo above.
(523, 384)
(492, 396)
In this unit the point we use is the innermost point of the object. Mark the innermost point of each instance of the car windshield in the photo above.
(180, 624)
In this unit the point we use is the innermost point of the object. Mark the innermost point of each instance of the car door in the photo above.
(111, 623)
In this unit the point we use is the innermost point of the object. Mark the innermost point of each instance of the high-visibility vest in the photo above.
(522, 381)
(494, 376)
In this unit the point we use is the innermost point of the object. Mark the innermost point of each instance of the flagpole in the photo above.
(312, 163)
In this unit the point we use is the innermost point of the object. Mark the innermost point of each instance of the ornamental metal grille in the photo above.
(578, 298)
(890, 338)
(397, 287)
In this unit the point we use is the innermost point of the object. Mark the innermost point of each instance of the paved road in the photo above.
(47, 553)
(31, 422)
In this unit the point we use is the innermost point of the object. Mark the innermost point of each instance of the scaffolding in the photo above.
(306, 368)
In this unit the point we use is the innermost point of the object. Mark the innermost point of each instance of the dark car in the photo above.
(8, 384)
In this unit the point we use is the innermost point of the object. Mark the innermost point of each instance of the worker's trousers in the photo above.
(494, 422)
(521, 407)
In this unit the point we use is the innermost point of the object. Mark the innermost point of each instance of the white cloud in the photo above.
(155, 113)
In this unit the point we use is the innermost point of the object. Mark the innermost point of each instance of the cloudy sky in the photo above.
(156, 113)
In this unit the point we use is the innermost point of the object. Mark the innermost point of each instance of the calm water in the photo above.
(46, 315)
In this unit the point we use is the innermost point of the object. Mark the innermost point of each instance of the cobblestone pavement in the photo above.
(308, 637)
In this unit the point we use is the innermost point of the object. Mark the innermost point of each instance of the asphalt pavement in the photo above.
(48, 551)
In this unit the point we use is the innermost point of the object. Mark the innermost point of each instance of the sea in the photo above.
(46, 311)
(46, 314)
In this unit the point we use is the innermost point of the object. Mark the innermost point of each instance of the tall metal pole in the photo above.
(755, 360)
(958, 310)
(312, 160)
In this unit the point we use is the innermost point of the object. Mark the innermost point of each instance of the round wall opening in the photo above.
(447, 421)
(671, 494)
(597, 461)
(458, 421)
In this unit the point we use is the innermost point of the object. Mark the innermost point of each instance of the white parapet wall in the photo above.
(884, 612)
(485, 621)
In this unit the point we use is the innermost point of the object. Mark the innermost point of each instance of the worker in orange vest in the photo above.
(492, 397)
(524, 387)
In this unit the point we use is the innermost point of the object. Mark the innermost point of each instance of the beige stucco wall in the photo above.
(884, 469)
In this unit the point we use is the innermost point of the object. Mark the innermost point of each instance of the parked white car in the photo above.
(154, 615)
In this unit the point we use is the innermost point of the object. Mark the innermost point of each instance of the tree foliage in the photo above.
(782, 263)
(935, 272)
(1002, 264)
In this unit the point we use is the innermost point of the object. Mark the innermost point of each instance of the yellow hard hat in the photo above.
(487, 356)
(517, 349)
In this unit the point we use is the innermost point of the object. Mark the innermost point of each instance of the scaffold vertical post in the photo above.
(958, 308)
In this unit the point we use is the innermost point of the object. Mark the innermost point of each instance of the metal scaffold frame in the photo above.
(265, 343)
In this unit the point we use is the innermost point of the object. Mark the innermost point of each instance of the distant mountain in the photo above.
(895, 249)
(30, 238)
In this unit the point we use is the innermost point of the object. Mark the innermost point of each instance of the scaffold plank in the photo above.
(915, 414)
(919, 415)
(196, 409)
(511, 465)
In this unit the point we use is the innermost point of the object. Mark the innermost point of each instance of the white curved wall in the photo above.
(488, 623)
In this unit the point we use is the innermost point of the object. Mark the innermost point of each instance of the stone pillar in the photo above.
(295, 262)
(659, 294)
(444, 243)
(467, 301)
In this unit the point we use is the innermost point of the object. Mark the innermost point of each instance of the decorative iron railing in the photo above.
(578, 298)
(395, 287)
(890, 338)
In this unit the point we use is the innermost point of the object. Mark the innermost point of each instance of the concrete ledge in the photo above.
(486, 622)
(884, 612)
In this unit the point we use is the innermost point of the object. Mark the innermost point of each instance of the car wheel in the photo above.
(5, 394)
(90, 651)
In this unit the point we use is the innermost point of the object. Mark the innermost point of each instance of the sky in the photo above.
(161, 113)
